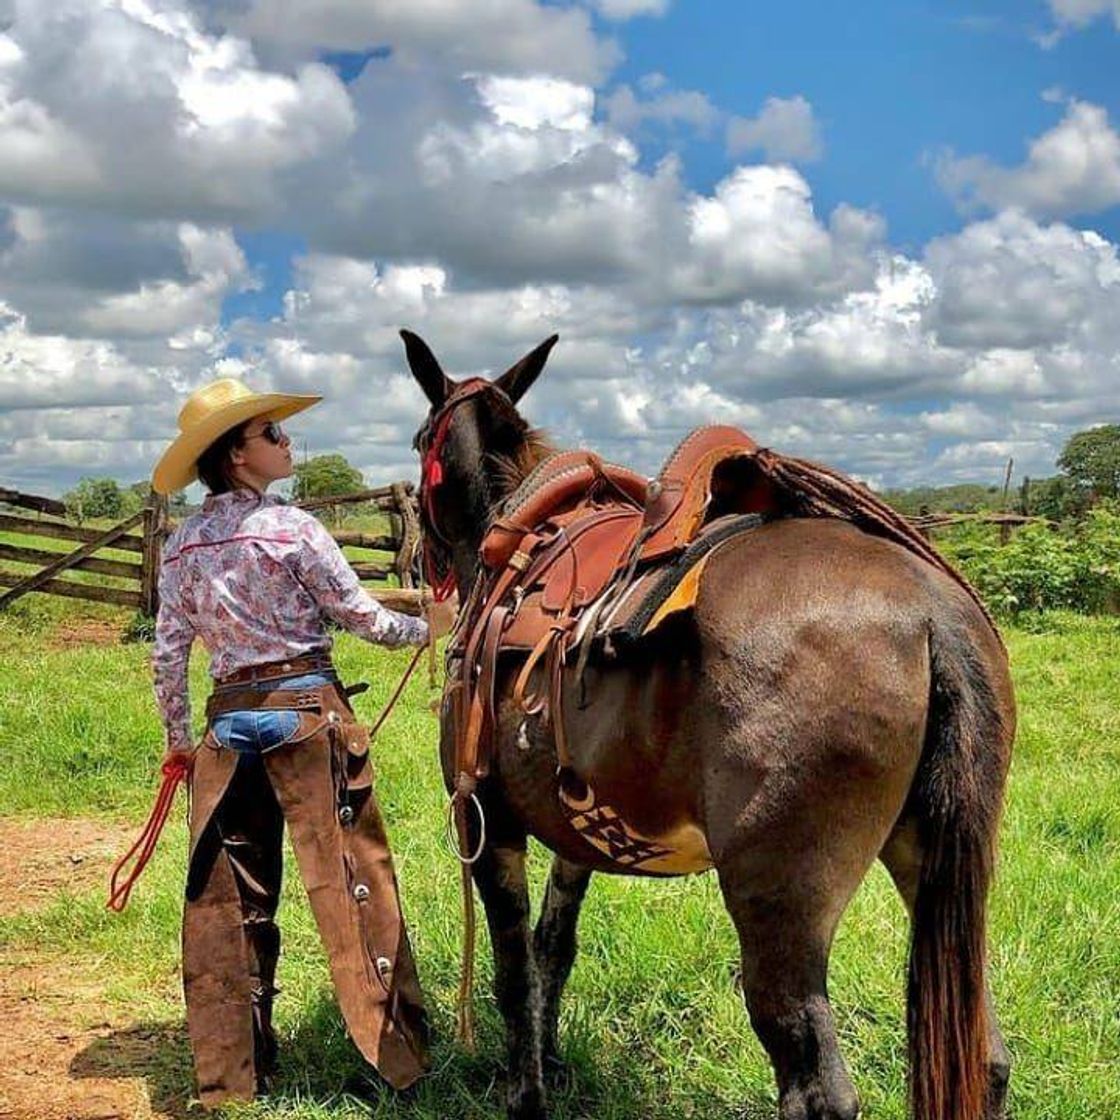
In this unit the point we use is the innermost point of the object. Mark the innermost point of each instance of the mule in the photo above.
(831, 699)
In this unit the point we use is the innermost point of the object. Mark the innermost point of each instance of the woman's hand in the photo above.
(441, 616)
(177, 757)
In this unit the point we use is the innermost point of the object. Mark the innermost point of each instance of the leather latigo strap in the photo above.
(572, 576)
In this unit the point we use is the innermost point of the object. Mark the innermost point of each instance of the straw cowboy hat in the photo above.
(210, 412)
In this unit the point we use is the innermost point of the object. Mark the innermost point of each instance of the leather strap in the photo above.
(272, 670)
(280, 699)
(472, 705)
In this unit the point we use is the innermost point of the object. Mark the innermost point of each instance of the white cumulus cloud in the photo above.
(1074, 168)
(786, 129)
(130, 106)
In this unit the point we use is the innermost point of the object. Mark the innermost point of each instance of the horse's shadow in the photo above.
(319, 1064)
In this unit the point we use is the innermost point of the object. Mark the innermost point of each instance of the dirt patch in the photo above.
(41, 859)
(86, 632)
(64, 1055)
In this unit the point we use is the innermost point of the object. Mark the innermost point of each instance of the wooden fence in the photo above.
(143, 535)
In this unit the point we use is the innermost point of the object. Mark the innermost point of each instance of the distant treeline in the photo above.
(1089, 467)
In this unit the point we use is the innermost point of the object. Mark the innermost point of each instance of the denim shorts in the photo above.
(264, 729)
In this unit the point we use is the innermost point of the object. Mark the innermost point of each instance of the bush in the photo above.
(1074, 567)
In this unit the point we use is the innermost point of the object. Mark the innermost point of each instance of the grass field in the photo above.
(653, 1025)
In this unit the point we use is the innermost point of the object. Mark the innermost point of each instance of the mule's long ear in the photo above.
(516, 380)
(425, 368)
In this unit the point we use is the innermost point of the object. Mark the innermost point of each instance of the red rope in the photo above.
(173, 774)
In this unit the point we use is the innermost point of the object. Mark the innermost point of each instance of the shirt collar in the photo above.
(242, 499)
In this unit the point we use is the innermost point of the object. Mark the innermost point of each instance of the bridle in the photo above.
(430, 441)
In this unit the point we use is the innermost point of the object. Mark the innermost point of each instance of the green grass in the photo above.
(653, 1024)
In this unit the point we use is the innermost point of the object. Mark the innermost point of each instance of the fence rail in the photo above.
(145, 533)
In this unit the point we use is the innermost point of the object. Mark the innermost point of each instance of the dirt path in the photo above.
(40, 859)
(65, 1052)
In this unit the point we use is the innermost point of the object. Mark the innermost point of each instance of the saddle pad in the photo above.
(673, 587)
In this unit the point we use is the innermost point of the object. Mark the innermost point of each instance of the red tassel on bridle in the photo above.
(173, 774)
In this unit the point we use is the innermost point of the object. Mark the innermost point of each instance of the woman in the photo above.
(254, 579)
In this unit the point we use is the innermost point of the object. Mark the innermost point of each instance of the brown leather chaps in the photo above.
(320, 782)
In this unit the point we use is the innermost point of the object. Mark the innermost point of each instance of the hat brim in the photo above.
(178, 466)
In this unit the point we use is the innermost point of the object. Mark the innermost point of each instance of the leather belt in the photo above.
(281, 699)
(273, 670)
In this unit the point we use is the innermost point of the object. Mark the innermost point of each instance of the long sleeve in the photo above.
(321, 567)
(171, 655)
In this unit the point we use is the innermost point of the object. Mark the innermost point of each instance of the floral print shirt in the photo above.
(254, 579)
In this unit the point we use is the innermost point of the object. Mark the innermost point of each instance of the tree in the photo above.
(1053, 498)
(95, 497)
(325, 476)
(1091, 459)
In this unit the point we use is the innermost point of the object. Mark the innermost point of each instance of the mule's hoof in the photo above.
(810, 1103)
(526, 1106)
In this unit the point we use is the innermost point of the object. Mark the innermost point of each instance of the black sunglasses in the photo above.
(271, 432)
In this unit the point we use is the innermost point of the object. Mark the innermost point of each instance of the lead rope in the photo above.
(173, 774)
(461, 801)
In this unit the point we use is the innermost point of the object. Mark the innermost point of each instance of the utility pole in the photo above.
(1005, 529)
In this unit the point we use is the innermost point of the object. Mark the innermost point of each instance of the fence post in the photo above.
(407, 531)
(155, 533)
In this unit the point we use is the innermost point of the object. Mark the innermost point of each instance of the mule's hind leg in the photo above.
(784, 937)
(500, 875)
(902, 857)
(554, 945)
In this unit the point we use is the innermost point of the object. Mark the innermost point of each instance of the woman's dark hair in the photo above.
(214, 466)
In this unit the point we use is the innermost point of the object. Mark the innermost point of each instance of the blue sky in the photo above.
(884, 236)
(891, 83)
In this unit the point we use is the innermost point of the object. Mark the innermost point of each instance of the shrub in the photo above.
(1074, 567)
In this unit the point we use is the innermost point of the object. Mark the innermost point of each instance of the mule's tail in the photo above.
(957, 795)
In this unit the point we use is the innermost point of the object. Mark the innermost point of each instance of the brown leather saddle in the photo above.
(584, 550)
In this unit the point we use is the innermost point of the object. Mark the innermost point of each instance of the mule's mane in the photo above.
(508, 471)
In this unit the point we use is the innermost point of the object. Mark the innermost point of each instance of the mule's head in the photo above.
(474, 447)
